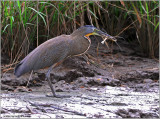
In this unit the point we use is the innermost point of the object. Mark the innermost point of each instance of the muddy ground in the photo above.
(111, 83)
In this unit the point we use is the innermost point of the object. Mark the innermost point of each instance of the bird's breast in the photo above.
(79, 46)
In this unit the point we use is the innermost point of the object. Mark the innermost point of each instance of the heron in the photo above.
(56, 50)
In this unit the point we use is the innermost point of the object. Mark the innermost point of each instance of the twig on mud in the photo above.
(4, 110)
(75, 112)
(8, 69)
(31, 110)
(55, 107)
(21, 87)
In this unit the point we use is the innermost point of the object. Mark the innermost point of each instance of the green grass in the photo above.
(20, 20)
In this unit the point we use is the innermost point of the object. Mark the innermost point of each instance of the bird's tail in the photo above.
(17, 70)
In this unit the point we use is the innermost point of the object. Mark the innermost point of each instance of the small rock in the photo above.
(68, 75)
(129, 113)
(98, 81)
(59, 116)
(147, 80)
(21, 90)
(59, 90)
(99, 115)
(139, 59)
(11, 80)
(6, 87)
(141, 85)
(154, 84)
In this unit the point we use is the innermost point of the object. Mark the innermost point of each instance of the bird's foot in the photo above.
(58, 96)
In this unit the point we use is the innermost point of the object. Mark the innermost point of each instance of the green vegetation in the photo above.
(27, 24)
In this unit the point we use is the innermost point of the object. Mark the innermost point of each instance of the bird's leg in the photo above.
(50, 84)
(49, 81)
(90, 59)
(86, 58)
(29, 78)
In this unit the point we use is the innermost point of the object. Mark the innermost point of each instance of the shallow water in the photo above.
(95, 102)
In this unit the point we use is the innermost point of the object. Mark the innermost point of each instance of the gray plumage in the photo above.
(45, 55)
(53, 51)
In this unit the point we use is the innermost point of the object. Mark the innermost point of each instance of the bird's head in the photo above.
(89, 30)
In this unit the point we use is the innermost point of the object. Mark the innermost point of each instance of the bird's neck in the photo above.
(79, 45)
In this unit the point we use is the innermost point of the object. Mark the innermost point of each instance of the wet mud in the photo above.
(110, 83)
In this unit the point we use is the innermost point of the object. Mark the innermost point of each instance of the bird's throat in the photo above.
(87, 36)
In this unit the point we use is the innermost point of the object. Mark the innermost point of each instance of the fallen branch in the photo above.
(55, 107)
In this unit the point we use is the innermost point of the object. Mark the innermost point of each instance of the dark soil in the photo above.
(126, 75)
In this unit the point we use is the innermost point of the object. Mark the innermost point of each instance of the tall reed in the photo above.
(26, 24)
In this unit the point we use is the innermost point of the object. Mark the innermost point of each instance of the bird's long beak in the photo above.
(105, 36)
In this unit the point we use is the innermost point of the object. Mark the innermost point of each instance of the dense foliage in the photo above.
(26, 24)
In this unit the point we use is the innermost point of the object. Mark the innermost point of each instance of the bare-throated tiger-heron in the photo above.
(57, 49)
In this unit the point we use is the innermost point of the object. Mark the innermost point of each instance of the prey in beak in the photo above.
(105, 37)
(108, 37)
